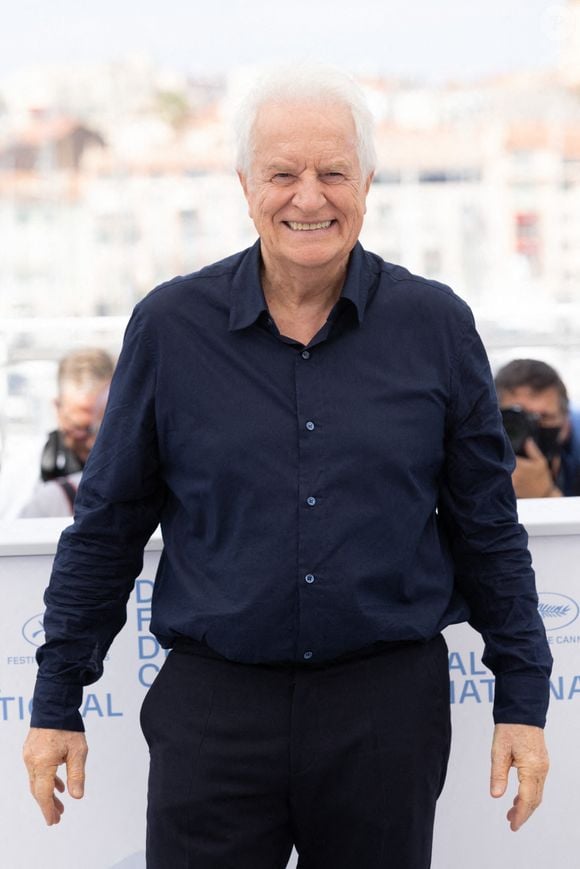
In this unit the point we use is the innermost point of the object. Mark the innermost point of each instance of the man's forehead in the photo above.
(288, 119)
(75, 396)
(548, 397)
(293, 133)
(282, 159)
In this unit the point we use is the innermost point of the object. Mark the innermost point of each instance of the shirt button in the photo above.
(306, 354)
(309, 578)
(311, 501)
(310, 425)
(307, 656)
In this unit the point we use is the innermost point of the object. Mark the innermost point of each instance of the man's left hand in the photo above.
(522, 746)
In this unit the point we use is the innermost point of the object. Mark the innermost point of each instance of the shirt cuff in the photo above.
(521, 699)
(56, 706)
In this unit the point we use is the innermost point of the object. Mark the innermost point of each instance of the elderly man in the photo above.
(317, 432)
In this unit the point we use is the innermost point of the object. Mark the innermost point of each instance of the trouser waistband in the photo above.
(189, 646)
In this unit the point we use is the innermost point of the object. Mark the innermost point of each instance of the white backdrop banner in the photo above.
(106, 829)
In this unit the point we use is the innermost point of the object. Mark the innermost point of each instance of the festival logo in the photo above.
(557, 610)
(33, 630)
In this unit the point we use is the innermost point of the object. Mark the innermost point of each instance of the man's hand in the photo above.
(532, 477)
(522, 746)
(44, 750)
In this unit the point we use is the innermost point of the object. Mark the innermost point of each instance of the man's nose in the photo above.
(309, 195)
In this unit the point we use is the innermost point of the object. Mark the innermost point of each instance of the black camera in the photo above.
(520, 425)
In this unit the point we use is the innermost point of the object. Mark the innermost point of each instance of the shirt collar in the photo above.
(359, 279)
(248, 302)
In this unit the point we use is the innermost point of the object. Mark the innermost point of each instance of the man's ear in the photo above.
(245, 187)
(368, 183)
(243, 182)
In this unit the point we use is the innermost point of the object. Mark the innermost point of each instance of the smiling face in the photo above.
(305, 192)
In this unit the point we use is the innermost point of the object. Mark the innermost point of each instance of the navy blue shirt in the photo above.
(313, 500)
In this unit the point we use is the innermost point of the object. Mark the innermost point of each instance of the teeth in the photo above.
(301, 226)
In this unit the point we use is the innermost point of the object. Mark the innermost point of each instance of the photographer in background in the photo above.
(84, 377)
(544, 433)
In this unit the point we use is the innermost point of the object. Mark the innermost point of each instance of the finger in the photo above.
(59, 784)
(42, 787)
(528, 799)
(75, 772)
(532, 449)
(55, 813)
(501, 761)
(519, 813)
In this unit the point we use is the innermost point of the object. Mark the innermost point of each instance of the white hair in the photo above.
(308, 83)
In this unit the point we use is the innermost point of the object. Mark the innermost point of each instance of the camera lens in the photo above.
(519, 426)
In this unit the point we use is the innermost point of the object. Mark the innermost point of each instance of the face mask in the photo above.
(547, 439)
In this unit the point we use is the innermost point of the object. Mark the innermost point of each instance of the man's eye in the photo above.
(333, 177)
(282, 177)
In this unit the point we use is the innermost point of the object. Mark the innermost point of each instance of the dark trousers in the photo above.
(345, 761)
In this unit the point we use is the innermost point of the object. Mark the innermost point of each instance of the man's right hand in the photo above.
(532, 477)
(43, 752)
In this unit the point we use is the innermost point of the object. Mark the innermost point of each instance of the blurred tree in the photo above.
(174, 108)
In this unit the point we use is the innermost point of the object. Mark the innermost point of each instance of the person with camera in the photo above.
(543, 430)
(84, 377)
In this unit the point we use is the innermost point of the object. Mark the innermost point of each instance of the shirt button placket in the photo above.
(309, 459)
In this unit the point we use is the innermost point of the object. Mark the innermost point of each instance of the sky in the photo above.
(429, 40)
